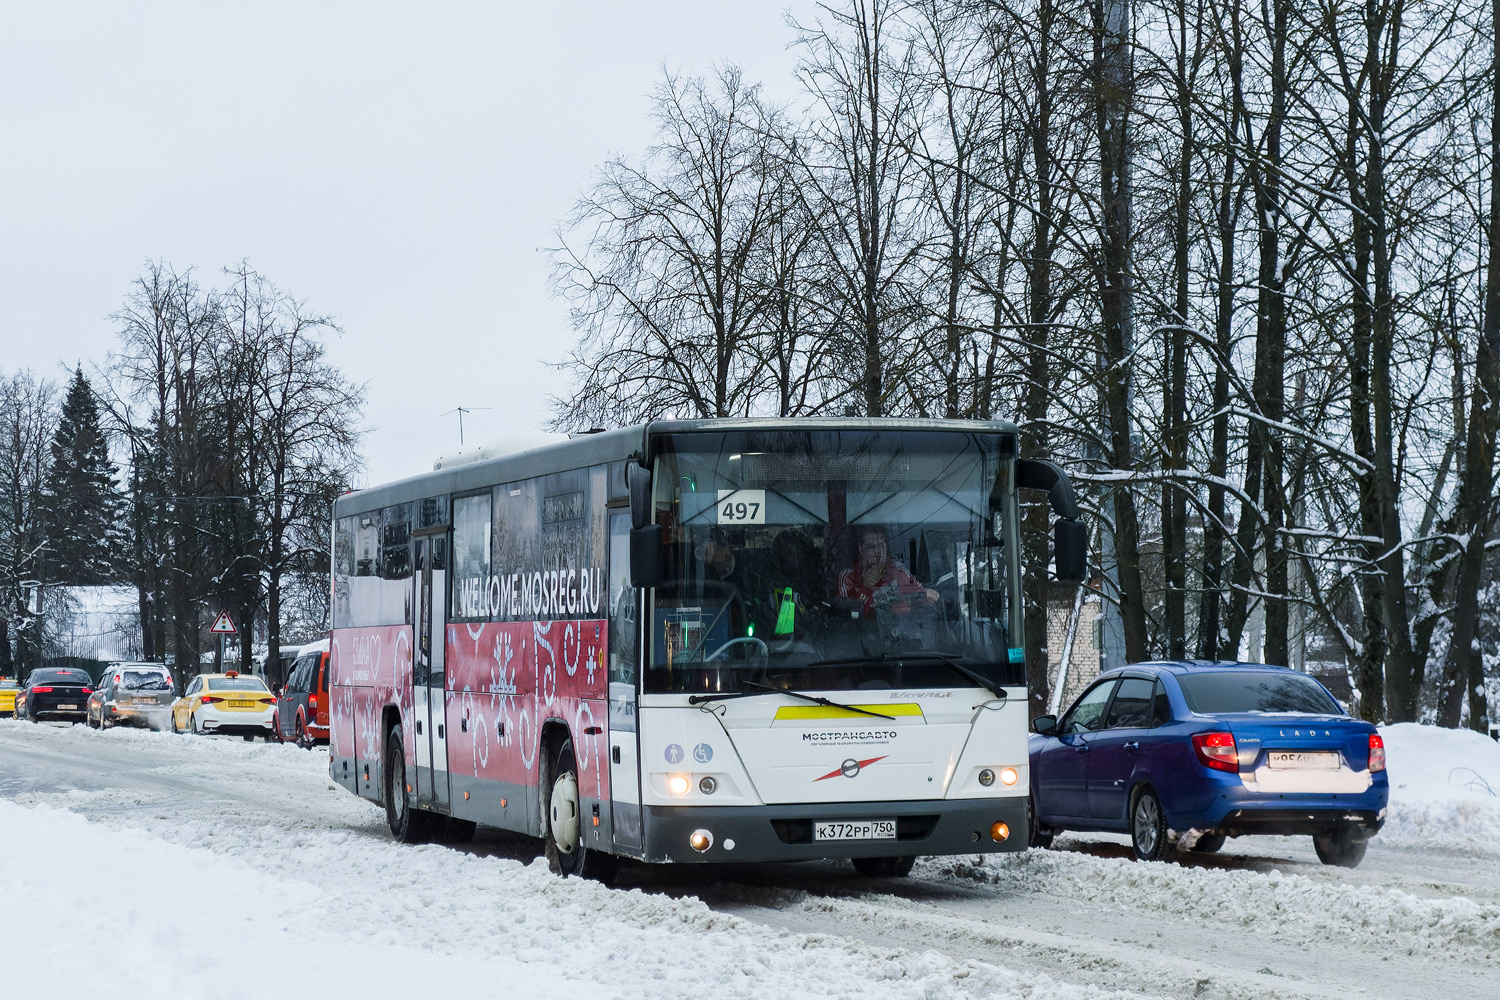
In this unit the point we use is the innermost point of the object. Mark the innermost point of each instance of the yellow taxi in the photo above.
(231, 703)
(8, 688)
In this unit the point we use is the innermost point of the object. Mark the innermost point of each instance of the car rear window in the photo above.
(236, 684)
(146, 680)
(1256, 691)
(63, 677)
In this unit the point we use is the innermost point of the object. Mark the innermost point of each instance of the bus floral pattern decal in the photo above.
(507, 678)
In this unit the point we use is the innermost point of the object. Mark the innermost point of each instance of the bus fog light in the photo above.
(986, 777)
(677, 784)
(1009, 776)
(708, 785)
(999, 831)
(701, 840)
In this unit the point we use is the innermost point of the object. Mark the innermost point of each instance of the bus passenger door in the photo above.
(430, 741)
(624, 658)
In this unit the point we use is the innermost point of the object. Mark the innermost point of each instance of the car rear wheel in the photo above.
(1340, 848)
(1209, 843)
(303, 740)
(567, 854)
(896, 867)
(193, 721)
(1148, 828)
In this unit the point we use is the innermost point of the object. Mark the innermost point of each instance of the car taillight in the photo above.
(312, 701)
(1217, 750)
(45, 690)
(209, 699)
(1377, 752)
(88, 690)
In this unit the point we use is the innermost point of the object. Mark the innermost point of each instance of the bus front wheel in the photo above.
(567, 853)
(409, 825)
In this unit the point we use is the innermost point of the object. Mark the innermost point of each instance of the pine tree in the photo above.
(82, 505)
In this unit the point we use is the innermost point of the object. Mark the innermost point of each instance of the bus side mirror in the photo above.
(638, 479)
(646, 562)
(1071, 550)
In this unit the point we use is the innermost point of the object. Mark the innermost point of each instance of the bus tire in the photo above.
(896, 867)
(408, 824)
(567, 853)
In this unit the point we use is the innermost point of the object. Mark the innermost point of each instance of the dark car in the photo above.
(1190, 753)
(55, 693)
(302, 707)
(138, 694)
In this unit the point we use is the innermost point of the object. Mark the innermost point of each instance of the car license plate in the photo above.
(860, 829)
(1303, 760)
(67, 708)
(242, 704)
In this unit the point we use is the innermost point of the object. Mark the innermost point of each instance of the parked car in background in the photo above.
(9, 686)
(55, 693)
(1188, 753)
(229, 703)
(138, 694)
(302, 707)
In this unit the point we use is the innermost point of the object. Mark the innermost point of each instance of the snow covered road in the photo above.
(252, 845)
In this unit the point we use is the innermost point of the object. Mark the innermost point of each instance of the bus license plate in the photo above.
(863, 829)
(1303, 761)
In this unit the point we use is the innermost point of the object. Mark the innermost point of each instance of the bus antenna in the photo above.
(461, 410)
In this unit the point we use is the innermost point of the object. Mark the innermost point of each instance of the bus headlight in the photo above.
(986, 777)
(677, 784)
(1009, 776)
(708, 784)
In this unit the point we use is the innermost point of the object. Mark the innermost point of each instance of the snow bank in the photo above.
(1288, 907)
(1445, 789)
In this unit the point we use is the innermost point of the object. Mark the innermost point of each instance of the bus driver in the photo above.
(877, 580)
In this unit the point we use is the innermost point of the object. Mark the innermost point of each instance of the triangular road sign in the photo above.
(222, 624)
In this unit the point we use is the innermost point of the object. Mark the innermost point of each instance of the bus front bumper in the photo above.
(786, 832)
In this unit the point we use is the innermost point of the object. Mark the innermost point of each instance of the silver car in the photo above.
(138, 694)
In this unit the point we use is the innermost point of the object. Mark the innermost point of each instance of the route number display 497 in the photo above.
(742, 506)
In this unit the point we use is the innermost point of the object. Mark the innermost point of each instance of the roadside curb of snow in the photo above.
(1357, 915)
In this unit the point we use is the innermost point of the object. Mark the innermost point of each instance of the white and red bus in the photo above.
(707, 640)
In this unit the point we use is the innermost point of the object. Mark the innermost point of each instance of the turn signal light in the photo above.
(999, 831)
(1217, 750)
(1377, 753)
(701, 840)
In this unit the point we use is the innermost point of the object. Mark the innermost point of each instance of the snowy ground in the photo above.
(145, 865)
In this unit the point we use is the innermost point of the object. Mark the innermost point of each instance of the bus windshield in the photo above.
(834, 560)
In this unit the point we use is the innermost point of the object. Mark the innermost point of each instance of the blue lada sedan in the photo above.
(1189, 753)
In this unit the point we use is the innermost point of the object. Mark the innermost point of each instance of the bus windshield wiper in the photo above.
(760, 689)
(951, 659)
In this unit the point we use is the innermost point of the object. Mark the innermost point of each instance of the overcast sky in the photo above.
(397, 166)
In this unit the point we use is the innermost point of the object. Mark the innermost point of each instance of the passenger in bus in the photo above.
(878, 581)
